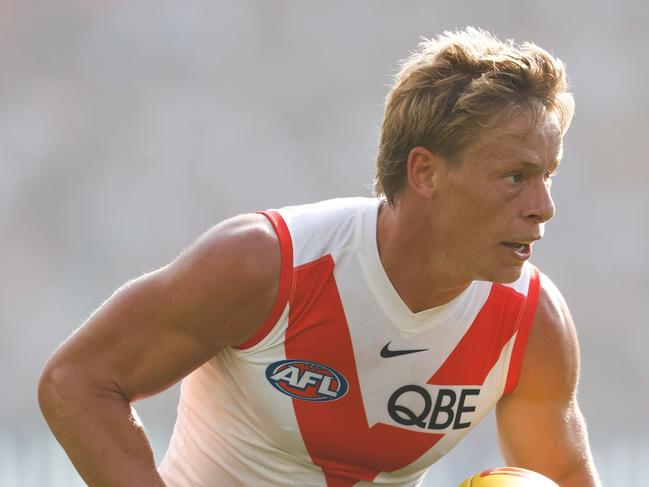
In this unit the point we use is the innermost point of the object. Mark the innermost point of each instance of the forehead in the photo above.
(522, 138)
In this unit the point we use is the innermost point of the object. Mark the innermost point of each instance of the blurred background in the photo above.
(129, 128)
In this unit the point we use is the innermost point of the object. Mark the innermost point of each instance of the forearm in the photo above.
(583, 475)
(100, 433)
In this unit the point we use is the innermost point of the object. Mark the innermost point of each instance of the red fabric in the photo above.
(336, 433)
(285, 279)
(479, 349)
(524, 328)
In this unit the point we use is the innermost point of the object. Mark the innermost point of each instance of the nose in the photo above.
(540, 207)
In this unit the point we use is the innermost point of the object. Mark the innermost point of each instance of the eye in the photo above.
(515, 178)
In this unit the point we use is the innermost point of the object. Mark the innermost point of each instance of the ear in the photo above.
(424, 168)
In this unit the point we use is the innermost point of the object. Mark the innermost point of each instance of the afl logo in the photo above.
(308, 381)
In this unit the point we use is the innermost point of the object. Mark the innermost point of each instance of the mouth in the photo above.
(520, 250)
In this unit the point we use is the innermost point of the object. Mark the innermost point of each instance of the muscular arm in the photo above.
(147, 336)
(540, 426)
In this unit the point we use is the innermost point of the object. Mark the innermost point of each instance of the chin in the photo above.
(504, 275)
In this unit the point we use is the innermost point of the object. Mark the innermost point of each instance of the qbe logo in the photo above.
(413, 405)
(305, 380)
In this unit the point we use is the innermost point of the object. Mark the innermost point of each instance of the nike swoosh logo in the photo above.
(387, 353)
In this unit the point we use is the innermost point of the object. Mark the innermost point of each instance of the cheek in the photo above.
(473, 208)
(484, 218)
(468, 222)
(481, 205)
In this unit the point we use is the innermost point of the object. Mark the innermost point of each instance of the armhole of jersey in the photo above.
(524, 327)
(285, 280)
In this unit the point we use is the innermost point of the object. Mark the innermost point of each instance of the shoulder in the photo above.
(246, 238)
(324, 227)
(230, 274)
(551, 362)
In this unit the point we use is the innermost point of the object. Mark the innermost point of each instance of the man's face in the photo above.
(496, 200)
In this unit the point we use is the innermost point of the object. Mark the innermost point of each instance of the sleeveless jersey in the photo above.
(343, 385)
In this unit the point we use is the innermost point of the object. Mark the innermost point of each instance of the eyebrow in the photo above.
(534, 165)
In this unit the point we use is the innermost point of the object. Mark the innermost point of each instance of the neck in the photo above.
(419, 270)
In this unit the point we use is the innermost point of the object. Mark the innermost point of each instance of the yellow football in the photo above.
(508, 477)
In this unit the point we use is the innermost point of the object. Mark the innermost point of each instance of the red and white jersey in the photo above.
(343, 385)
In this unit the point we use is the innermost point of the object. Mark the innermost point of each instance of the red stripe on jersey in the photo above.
(523, 331)
(336, 433)
(285, 279)
(479, 349)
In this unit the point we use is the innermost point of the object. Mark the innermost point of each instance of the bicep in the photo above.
(159, 327)
(133, 344)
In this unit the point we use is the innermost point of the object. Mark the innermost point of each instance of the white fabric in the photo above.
(235, 429)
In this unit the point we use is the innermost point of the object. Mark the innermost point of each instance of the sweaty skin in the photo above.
(540, 426)
(454, 217)
(150, 334)
(446, 229)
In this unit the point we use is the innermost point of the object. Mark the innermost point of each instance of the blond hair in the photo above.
(457, 85)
